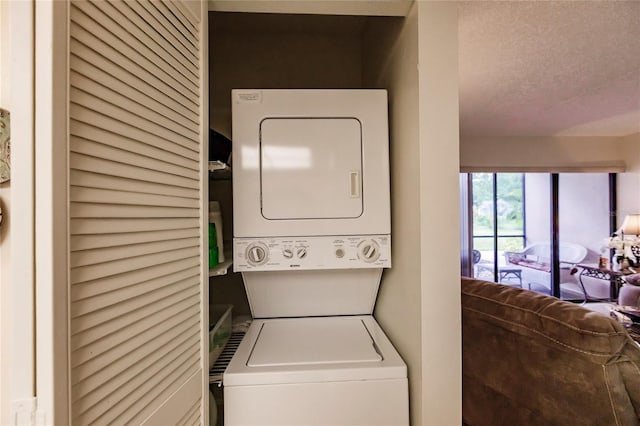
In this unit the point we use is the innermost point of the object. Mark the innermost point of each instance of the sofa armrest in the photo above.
(522, 349)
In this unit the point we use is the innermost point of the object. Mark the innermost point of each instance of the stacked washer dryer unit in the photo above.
(311, 238)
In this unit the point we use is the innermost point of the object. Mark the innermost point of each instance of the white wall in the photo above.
(391, 61)
(629, 182)
(543, 154)
(441, 334)
(419, 301)
(628, 147)
(561, 154)
(628, 195)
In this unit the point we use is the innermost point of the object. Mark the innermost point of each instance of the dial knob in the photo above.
(369, 251)
(287, 253)
(257, 254)
(301, 252)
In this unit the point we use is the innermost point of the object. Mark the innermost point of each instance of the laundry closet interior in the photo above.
(249, 50)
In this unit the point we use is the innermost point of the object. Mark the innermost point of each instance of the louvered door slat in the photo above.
(150, 38)
(126, 347)
(97, 211)
(88, 242)
(94, 332)
(134, 171)
(158, 33)
(85, 44)
(125, 409)
(134, 88)
(120, 357)
(165, 29)
(93, 20)
(186, 15)
(116, 267)
(88, 257)
(82, 179)
(117, 93)
(104, 57)
(108, 385)
(128, 131)
(150, 394)
(89, 125)
(130, 290)
(136, 211)
(125, 367)
(110, 225)
(88, 293)
(134, 115)
(109, 196)
(94, 149)
(178, 20)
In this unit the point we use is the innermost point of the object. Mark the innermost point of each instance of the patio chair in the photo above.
(506, 273)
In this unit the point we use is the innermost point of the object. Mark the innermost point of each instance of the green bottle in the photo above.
(213, 249)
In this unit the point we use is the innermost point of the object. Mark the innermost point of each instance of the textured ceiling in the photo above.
(541, 68)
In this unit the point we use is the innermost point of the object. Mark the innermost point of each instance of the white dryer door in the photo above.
(311, 168)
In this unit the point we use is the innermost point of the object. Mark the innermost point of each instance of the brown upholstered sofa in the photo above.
(530, 359)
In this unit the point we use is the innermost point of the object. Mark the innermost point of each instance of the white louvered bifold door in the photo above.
(135, 191)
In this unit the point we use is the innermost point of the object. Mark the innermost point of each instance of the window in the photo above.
(537, 241)
(498, 222)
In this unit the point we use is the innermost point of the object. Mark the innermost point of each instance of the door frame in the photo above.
(18, 356)
(51, 213)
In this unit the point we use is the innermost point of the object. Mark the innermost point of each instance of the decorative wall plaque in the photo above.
(5, 146)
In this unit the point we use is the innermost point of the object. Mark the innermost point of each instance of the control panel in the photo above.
(300, 253)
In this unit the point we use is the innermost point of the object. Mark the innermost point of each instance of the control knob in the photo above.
(287, 253)
(301, 252)
(257, 254)
(369, 251)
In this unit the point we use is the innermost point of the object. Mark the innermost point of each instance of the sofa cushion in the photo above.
(533, 359)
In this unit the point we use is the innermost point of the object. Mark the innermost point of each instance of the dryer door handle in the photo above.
(354, 180)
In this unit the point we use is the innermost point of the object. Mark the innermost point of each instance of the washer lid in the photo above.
(313, 341)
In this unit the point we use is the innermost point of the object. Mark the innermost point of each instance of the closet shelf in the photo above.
(223, 267)
(216, 372)
(221, 174)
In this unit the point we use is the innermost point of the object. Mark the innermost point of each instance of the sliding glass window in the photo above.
(498, 222)
(540, 241)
